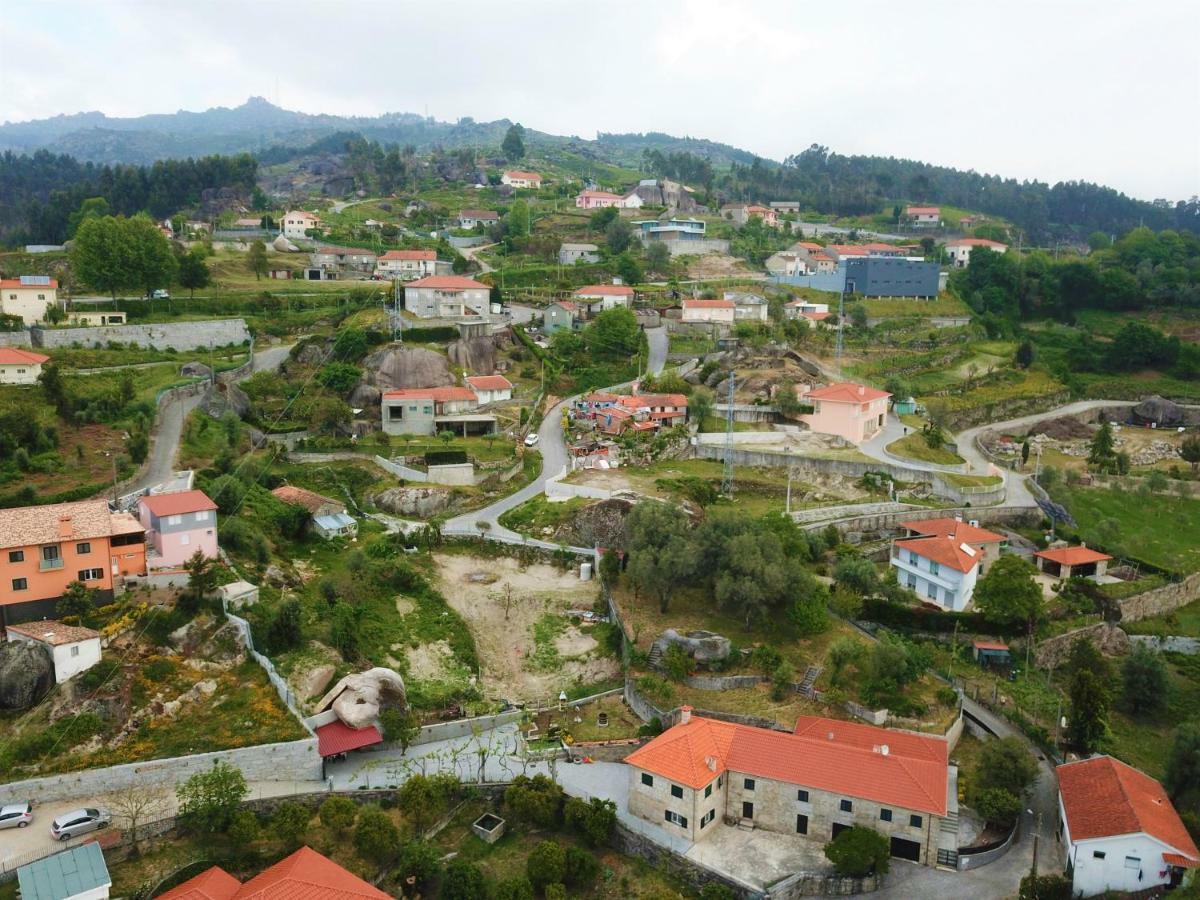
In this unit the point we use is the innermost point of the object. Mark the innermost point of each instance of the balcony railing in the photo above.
(47, 564)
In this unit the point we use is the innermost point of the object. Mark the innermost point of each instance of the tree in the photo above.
(857, 574)
(700, 406)
(209, 799)
(424, 799)
(858, 316)
(1089, 710)
(290, 823)
(536, 801)
(629, 269)
(193, 271)
(339, 377)
(376, 837)
(997, 806)
(202, 576)
(1144, 682)
(329, 415)
(419, 861)
(1025, 451)
(546, 864)
(595, 819)
(519, 888)
(102, 255)
(1102, 455)
(658, 257)
(55, 388)
(1025, 354)
(1006, 764)
(343, 629)
(244, 829)
(136, 804)
(463, 880)
(517, 219)
(661, 555)
(338, 813)
(1189, 449)
(153, 263)
(77, 600)
(513, 145)
(285, 631)
(256, 259)
(1008, 594)
(400, 726)
(580, 868)
(1183, 765)
(859, 851)
(613, 335)
(618, 235)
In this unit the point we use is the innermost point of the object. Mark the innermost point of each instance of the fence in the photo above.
(282, 688)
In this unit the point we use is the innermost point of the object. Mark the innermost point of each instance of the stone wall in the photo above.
(15, 339)
(180, 335)
(631, 843)
(1165, 599)
(1108, 638)
(888, 522)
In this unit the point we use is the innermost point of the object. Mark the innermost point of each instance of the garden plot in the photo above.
(535, 651)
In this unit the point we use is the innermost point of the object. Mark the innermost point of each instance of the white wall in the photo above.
(1095, 876)
(66, 663)
(25, 373)
(25, 302)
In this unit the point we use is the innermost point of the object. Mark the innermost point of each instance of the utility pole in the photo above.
(727, 476)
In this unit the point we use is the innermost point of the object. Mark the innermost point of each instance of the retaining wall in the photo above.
(15, 339)
(968, 860)
(629, 842)
(696, 248)
(180, 335)
(995, 515)
(1165, 599)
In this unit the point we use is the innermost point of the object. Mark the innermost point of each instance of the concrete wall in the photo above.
(180, 335)
(15, 339)
(696, 247)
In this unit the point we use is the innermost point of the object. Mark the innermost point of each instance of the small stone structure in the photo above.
(489, 828)
(702, 646)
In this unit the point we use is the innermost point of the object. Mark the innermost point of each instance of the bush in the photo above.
(1006, 764)
(555, 892)
(338, 813)
(209, 800)
(1044, 887)
(714, 891)
(290, 822)
(546, 864)
(99, 674)
(535, 801)
(998, 806)
(594, 819)
(581, 868)
(859, 851)
(676, 663)
(243, 829)
(419, 860)
(376, 837)
(463, 881)
(518, 888)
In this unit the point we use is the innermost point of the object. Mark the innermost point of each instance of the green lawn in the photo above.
(914, 446)
(944, 305)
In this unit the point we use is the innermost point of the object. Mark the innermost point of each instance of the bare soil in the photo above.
(474, 588)
(715, 265)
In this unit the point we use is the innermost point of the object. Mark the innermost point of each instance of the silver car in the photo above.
(79, 821)
(15, 815)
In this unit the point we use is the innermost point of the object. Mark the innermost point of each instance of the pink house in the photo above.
(851, 411)
(177, 525)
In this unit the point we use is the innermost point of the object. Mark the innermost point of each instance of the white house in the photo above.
(924, 216)
(469, 218)
(490, 388)
(960, 250)
(446, 297)
(599, 297)
(19, 366)
(805, 309)
(296, 224)
(1119, 830)
(748, 307)
(942, 559)
(28, 297)
(698, 311)
(407, 264)
(74, 649)
(518, 179)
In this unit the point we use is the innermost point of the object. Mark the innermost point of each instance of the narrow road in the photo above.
(894, 430)
(469, 253)
(657, 339)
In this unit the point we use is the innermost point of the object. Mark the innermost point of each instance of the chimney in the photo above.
(862, 390)
(65, 528)
(685, 715)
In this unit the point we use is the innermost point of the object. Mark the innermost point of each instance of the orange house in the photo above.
(45, 548)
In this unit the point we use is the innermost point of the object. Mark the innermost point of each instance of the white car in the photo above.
(161, 294)
(531, 439)
(15, 815)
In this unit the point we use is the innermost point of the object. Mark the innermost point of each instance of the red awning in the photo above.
(337, 737)
(1174, 859)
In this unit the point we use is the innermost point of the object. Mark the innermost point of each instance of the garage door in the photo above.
(903, 849)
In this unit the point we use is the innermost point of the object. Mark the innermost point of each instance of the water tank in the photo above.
(585, 571)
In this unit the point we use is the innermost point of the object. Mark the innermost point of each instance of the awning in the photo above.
(1174, 859)
(337, 737)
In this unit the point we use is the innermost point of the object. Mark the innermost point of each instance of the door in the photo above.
(906, 849)
(747, 810)
(838, 828)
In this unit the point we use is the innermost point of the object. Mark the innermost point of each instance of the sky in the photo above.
(1105, 91)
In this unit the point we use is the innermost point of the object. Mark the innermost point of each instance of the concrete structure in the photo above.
(177, 525)
(562, 315)
(787, 263)
(19, 366)
(304, 874)
(74, 649)
(45, 548)
(851, 411)
(923, 216)
(446, 297)
(470, 218)
(747, 307)
(94, 319)
(828, 775)
(343, 260)
(569, 254)
(407, 265)
(941, 559)
(518, 179)
(741, 213)
(880, 276)
(75, 874)
(703, 312)
(805, 309)
(419, 410)
(1072, 562)
(179, 335)
(335, 525)
(673, 229)
(28, 297)
(960, 250)
(599, 297)
(490, 388)
(1119, 830)
(297, 224)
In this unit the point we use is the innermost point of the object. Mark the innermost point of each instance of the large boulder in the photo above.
(396, 367)
(413, 501)
(474, 354)
(357, 699)
(702, 646)
(222, 398)
(26, 674)
(1158, 411)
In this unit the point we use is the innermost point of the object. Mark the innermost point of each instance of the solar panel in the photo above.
(1056, 511)
(36, 280)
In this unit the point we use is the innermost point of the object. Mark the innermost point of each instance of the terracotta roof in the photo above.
(410, 255)
(1073, 556)
(955, 528)
(299, 214)
(975, 242)
(1175, 859)
(1103, 797)
(602, 195)
(809, 245)
(15, 356)
(923, 210)
(602, 397)
(528, 176)
(307, 875)
(755, 208)
(177, 503)
(211, 884)
(17, 283)
(48, 631)
(338, 737)
(848, 249)
(310, 500)
(437, 394)
(489, 382)
(846, 392)
(991, 645)
(566, 304)
(605, 290)
(945, 551)
(840, 757)
(708, 304)
(816, 316)
(447, 283)
(56, 522)
(479, 214)
(640, 401)
(876, 245)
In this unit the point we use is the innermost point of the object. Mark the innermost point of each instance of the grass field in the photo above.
(881, 307)
(914, 446)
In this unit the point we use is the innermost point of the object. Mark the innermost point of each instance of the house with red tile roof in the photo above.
(851, 411)
(825, 776)
(73, 648)
(177, 525)
(960, 250)
(490, 388)
(407, 265)
(469, 218)
(425, 411)
(942, 559)
(19, 366)
(699, 311)
(599, 297)
(297, 223)
(1119, 830)
(28, 297)
(446, 297)
(303, 875)
(562, 315)
(1072, 562)
(518, 179)
(923, 216)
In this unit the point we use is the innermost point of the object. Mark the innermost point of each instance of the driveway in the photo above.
(893, 430)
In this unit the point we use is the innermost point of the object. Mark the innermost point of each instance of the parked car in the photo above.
(79, 821)
(161, 294)
(15, 815)
(531, 439)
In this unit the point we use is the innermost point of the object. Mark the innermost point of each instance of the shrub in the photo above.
(463, 881)
(419, 860)
(714, 891)
(859, 851)
(209, 799)
(99, 674)
(243, 829)
(535, 801)
(676, 663)
(290, 822)
(1007, 764)
(555, 892)
(1044, 887)
(518, 888)
(998, 806)
(594, 819)
(546, 864)
(581, 868)
(375, 836)
(399, 726)
(338, 813)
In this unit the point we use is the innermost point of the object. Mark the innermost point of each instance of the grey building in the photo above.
(561, 316)
(880, 276)
(569, 254)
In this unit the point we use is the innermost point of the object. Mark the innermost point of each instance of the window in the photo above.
(747, 810)
(846, 806)
(677, 791)
(912, 581)
(748, 784)
(915, 821)
(74, 649)
(1133, 862)
(647, 779)
(1098, 854)
(83, 549)
(675, 818)
(20, 584)
(174, 520)
(16, 556)
(91, 574)
(185, 539)
(50, 553)
(801, 824)
(707, 817)
(708, 792)
(912, 558)
(934, 568)
(885, 815)
(202, 515)
(802, 796)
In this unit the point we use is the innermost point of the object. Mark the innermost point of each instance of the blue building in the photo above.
(885, 276)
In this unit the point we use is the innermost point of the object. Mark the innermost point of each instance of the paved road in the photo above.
(469, 253)
(893, 430)
(656, 338)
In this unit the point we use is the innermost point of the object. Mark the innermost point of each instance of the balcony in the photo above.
(47, 565)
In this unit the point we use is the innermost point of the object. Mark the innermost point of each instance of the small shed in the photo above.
(336, 737)
(992, 654)
(76, 874)
(905, 407)
(73, 648)
(238, 594)
(335, 525)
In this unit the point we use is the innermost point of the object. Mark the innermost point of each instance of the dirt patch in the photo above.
(504, 646)
(405, 605)
(1065, 428)
(429, 662)
(715, 265)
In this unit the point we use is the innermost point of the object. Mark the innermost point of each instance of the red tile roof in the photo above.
(177, 503)
(945, 551)
(409, 255)
(568, 305)
(489, 382)
(976, 242)
(15, 356)
(1103, 797)
(1073, 556)
(809, 245)
(816, 316)
(846, 392)
(447, 283)
(880, 247)
(708, 304)
(307, 875)
(848, 249)
(527, 176)
(16, 283)
(955, 528)
(601, 195)
(479, 214)
(211, 884)
(991, 645)
(310, 500)
(840, 757)
(443, 394)
(605, 290)
(338, 737)
(923, 211)
(48, 631)
(645, 401)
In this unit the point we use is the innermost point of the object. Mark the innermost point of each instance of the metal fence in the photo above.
(282, 688)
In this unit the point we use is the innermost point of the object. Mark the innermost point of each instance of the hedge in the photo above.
(445, 457)
(920, 618)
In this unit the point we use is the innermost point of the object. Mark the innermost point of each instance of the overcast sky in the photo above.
(1105, 91)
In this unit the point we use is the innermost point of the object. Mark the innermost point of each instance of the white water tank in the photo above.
(585, 571)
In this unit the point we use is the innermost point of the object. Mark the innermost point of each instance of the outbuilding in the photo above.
(76, 874)
(73, 648)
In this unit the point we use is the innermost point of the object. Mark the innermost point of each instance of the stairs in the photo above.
(949, 823)
(654, 660)
(810, 679)
(947, 858)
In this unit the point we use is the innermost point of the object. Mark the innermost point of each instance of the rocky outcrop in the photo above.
(600, 524)
(702, 646)
(1107, 637)
(396, 367)
(412, 501)
(222, 398)
(474, 354)
(357, 699)
(26, 674)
